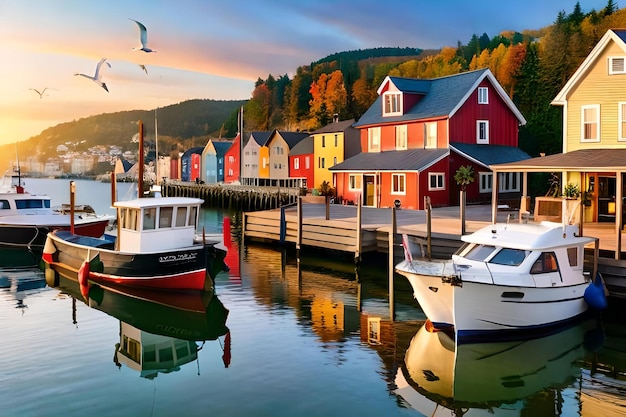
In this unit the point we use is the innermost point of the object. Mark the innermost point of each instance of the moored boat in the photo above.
(155, 247)
(507, 280)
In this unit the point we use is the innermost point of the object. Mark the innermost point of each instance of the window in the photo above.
(616, 65)
(485, 181)
(296, 163)
(401, 138)
(264, 163)
(572, 256)
(483, 95)
(149, 218)
(181, 216)
(436, 181)
(336, 140)
(590, 123)
(307, 162)
(479, 252)
(335, 160)
(323, 141)
(373, 139)
(354, 182)
(193, 216)
(373, 330)
(398, 182)
(482, 131)
(545, 263)
(165, 217)
(621, 110)
(512, 257)
(392, 104)
(430, 135)
(4, 205)
(508, 182)
(322, 162)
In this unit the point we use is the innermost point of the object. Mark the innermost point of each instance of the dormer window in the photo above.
(392, 104)
(483, 95)
(617, 65)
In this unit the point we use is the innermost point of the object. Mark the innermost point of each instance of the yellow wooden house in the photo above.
(332, 144)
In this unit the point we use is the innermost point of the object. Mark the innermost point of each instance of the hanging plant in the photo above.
(571, 191)
(464, 176)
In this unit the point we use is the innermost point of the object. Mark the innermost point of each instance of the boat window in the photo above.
(30, 204)
(181, 216)
(572, 256)
(4, 205)
(193, 216)
(479, 252)
(149, 218)
(545, 263)
(165, 217)
(507, 256)
(130, 219)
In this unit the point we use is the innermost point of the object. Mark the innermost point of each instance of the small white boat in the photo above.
(507, 280)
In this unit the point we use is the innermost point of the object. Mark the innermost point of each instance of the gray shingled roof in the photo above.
(441, 97)
(260, 137)
(621, 33)
(409, 160)
(335, 127)
(490, 154)
(304, 147)
(221, 147)
(292, 138)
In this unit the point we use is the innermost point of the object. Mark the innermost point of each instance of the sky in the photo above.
(211, 49)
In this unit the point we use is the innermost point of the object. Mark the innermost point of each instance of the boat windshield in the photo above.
(479, 252)
(32, 203)
(508, 256)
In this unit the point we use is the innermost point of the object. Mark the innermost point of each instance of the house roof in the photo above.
(442, 97)
(334, 127)
(222, 146)
(612, 35)
(489, 154)
(291, 138)
(409, 160)
(197, 150)
(304, 147)
(260, 137)
(581, 160)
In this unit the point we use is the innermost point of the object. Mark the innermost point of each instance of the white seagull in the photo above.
(97, 77)
(143, 36)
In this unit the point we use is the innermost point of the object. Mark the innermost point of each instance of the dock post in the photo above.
(428, 209)
(327, 201)
(392, 242)
(357, 249)
(283, 225)
(299, 237)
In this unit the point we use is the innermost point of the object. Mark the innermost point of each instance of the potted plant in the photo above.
(571, 191)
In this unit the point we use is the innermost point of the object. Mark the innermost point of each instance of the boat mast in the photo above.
(156, 149)
(140, 175)
(241, 145)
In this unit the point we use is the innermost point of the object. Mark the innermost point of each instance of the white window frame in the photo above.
(440, 181)
(398, 184)
(401, 138)
(483, 95)
(485, 182)
(373, 139)
(392, 103)
(479, 139)
(584, 122)
(355, 182)
(296, 162)
(307, 163)
(621, 121)
(617, 65)
(509, 182)
(430, 135)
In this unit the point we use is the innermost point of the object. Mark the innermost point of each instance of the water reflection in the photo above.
(441, 378)
(159, 331)
(18, 283)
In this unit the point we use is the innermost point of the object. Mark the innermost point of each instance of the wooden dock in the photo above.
(363, 230)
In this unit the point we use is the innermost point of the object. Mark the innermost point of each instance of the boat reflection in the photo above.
(18, 283)
(441, 378)
(159, 331)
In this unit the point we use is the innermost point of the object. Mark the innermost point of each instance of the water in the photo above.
(307, 338)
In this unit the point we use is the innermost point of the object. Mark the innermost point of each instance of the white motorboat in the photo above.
(506, 280)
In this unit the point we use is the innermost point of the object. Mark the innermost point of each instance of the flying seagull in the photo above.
(143, 36)
(39, 92)
(143, 67)
(97, 77)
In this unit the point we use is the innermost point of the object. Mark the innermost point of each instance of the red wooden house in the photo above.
(232, 158)
(417, 134)
(301, 159)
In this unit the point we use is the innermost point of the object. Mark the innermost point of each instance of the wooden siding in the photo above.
(251, 159)
(264, 169)
(278, 160)
(597, 87)
(302, 171)
(503, 125)
(329, 152)
(232, 168)
(437, 197)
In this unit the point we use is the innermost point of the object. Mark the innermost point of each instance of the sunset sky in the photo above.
(211, 49)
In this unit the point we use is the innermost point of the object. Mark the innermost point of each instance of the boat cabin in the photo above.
(24, 203)
(157, 224)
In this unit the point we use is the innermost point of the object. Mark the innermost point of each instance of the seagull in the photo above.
(39, 92)
(97, 77)
(143, 67)
(143, 35)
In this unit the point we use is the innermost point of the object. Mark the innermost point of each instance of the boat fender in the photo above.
(83, 279)
(594, 294)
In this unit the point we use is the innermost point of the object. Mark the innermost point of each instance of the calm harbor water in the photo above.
(307, 337)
